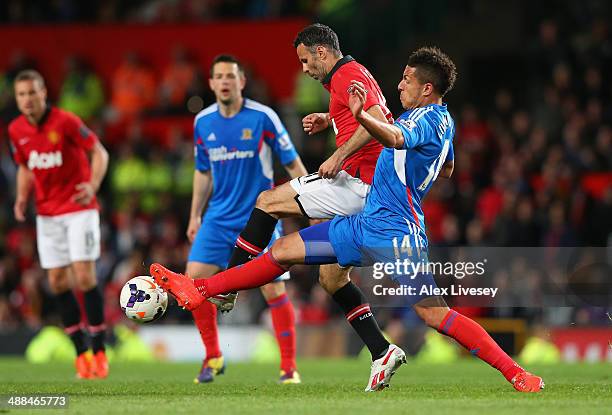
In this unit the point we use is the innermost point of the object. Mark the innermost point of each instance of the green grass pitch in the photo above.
(329, 387)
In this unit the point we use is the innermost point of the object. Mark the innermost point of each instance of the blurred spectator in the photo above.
(179, 81)
(557, 231)
(133, 87)
(81, 92)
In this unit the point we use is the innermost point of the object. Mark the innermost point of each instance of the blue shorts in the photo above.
(360, 241)
(214, 244)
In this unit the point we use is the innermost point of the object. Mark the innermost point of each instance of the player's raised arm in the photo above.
(387, 134)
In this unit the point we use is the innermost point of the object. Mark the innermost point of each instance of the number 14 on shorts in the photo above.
(410, 247)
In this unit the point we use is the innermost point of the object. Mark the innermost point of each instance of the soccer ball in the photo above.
(142, 300)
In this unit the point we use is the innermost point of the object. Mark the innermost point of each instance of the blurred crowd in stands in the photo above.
(532, 166)
(149, 11)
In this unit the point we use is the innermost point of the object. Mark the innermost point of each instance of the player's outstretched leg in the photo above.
(179, 285)
(474, 338)
(271, 205)
(283, 321)
(262, 270)
(191, 293)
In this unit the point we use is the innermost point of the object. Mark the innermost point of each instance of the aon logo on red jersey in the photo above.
(44, 160)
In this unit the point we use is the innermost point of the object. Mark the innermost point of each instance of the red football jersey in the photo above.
(363, 163)
(55, 150)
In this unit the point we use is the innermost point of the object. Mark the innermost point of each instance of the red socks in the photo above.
(253, 274)
(474, 338)
(205, 318)
(283, 320)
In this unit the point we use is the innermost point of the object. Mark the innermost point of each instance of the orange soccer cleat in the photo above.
(179, 285)
(527, 382)
(100, 365)
(83, 364)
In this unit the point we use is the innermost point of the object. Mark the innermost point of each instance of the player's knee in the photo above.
(265, 201)
(281, 251)
(85, 281)
(59, 282)
(271, 202)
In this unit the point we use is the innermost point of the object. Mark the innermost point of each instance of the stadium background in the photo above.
(533, 147)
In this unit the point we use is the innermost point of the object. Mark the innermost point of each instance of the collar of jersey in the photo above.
(244, 101)
(44, 117)
(342, 61)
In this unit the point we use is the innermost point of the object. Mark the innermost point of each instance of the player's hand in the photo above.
(331, 167)
(19, 210)
(193, 228)
(85, 193)
(357, 97)
(314, 123)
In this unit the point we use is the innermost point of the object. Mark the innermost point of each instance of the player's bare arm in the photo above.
(330, 168)
(387, 134)
(447, 169)
(316, 122)
(99, 164)
(25, 181)
(296, 168)
(202, 189)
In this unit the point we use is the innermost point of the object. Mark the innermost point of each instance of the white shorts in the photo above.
(67, 238)
(320, 198)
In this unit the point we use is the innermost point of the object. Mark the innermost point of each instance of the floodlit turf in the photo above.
(330, 386)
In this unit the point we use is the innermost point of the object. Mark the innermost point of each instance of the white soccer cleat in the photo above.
(384, 368)
(224, 302)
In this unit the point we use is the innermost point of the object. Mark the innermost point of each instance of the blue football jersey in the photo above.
(238, 152)
(403, 176)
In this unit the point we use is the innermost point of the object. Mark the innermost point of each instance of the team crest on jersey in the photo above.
(247, 134)
(84, 131)
(53, 137)
(409, 124)
(211, 137)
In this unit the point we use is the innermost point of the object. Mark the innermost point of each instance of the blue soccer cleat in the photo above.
(289, 377)
(210, 368)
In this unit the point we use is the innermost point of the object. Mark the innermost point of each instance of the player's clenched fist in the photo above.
(314, 123)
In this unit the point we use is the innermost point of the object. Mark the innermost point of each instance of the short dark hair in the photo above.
(435, 67)
(226, 59)
(318, 34)
(30, 75)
